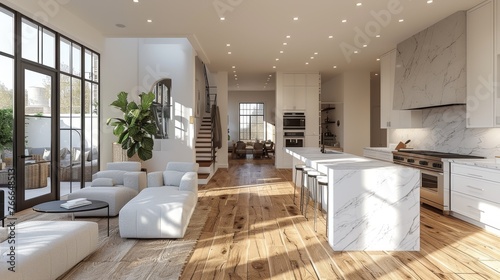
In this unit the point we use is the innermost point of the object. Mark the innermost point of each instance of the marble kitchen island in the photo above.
(374, 205)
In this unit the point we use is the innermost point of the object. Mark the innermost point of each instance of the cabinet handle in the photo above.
(474, 208)
(475, 175)
(475, 188)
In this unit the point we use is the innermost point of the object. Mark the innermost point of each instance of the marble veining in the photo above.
(444, 129)
(430, 66)
(373, 205)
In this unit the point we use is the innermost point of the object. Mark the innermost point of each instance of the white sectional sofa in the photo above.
(164, 208)
(117, 185)
(47, 249)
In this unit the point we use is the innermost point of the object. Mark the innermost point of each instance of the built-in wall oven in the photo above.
(294, 121)
(293, 139)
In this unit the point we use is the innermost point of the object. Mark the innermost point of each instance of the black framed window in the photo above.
(252, 125)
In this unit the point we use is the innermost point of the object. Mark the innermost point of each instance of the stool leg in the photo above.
(295, 185)
(315, 195)
(309, 185)
(302, 187)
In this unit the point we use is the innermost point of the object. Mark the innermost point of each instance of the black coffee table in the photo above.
(55, 207)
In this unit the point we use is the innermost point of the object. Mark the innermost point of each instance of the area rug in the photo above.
(119, 258)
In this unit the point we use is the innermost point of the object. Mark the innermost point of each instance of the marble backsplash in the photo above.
(444, 130)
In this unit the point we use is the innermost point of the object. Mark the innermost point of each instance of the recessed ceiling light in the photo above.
(281, 51)
(307, 63)
(222, 18)
(288, 36)
(401, 20)
(277, 59)
(120, 25)
(234, 71)
(429, 1)
(335, 67)
(359, 4)
(136, 1)
(235, 79)
(274, 67)
(235, 75)
(344, 20)
(378, 59)
(228, 45)
(378, 36)
(295, 18)
(330, 37)
(355, 51)
(228, 52)
(150, 20)
(316, 53)
(284, 44)
(364, 46)
(270, 75)
(376, 74)
(234, 67)
(312, 57)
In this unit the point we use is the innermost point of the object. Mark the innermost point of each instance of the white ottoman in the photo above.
(157, 212)
(116, 197)
(47, 249)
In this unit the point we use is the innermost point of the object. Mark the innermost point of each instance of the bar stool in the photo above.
(298, 167)
(323, 181)
(303, 186)
(312, 176)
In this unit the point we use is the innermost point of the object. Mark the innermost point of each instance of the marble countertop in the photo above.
(485, 163)
(380, 149)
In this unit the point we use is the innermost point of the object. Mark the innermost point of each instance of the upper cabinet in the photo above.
(482, 108)
(390, 118)
(430, 66)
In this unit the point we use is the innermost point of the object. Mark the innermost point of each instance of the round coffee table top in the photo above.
(55, 207)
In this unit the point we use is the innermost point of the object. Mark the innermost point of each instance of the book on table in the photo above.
(79, 202)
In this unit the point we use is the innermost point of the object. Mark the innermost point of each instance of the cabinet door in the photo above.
(312, 80)
(300, 98)
(299, 79)
(288, 80)
(480, 66)
(312, 110)
(289, 98)
(387, 70)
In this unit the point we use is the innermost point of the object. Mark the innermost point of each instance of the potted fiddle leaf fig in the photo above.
(136, 130)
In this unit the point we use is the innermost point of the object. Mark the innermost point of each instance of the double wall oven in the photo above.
(430, 163)
(294, 127)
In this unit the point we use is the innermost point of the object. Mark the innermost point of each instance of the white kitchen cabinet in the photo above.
(475, 194)
(390, 118)
(481, 60)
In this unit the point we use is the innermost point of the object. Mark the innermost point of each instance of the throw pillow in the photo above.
(75, 154)
(172, 178)
(64, 153)
(116, 175)
(87, 155)
(103, 182)
(46, 155)
(4, 234)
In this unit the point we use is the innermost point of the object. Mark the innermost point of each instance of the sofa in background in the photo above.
(164, 208)
(45, 250)
(116, 185)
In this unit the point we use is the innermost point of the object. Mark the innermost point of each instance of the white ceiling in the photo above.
(257, 29)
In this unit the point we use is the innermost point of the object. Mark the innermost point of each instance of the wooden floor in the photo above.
(254, 231)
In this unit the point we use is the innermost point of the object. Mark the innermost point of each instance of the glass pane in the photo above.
(6, 116)
(76, 97)
(49, 48)
(6, 31)
(6, 82)
(37, 138)
(88, 65)
(65, 55)
(77, 60)
(29, 40)
(65, 94)
(95, 66)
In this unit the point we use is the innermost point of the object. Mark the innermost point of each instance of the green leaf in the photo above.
(132, 106)
(122, 102)
(148, 143)
(151, 128)
(147, 100)
(118, 130)
(145, 154)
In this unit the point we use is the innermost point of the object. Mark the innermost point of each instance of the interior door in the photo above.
(36, 179)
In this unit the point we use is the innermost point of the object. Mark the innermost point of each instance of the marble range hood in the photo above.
(430, 66)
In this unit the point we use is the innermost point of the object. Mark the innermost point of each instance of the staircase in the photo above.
(203, 147)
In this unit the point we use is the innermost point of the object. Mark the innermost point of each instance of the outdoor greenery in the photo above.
(6, 128)
(136, 130)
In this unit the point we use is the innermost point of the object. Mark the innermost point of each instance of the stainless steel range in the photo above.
(431, 164)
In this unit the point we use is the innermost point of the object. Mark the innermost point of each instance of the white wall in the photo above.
(54, 15)
(333, 90)
(222, 102)
(237, 97)
(133, 65)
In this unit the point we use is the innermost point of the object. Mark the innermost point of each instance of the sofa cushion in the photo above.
(172, 178)
(46, 154)
(103, 182)
(116, 175)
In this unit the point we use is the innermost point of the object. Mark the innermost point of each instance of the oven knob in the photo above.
(423, 162)
(410, 160)
(437, 165)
